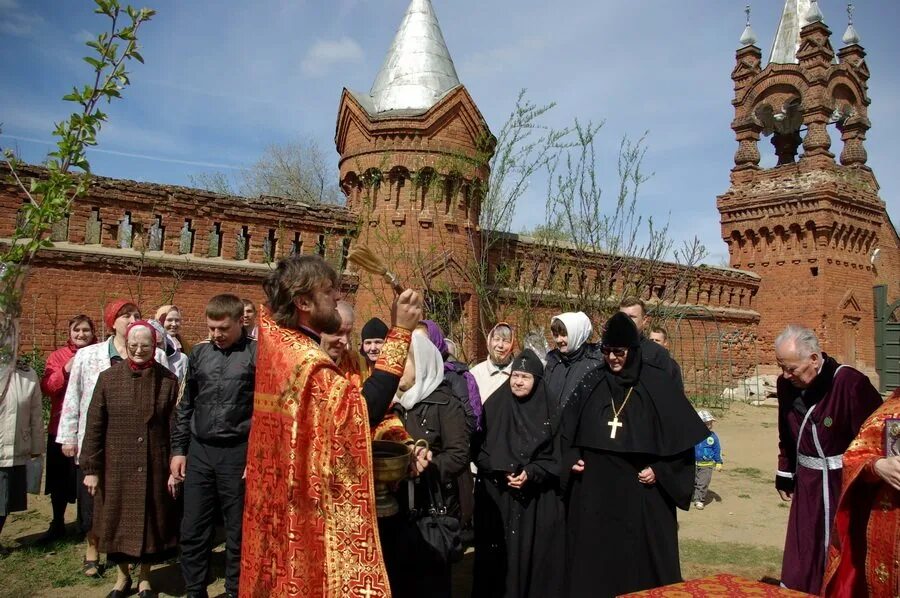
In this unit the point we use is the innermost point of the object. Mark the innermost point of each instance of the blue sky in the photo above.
(223, 79)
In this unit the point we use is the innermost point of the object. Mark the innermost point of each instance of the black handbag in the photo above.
(438, 530)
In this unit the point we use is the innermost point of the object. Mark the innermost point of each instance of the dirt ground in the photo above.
(743, 508)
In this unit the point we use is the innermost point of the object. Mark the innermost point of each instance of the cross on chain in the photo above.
(615, 424)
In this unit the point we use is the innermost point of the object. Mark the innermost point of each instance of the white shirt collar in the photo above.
(495, 369)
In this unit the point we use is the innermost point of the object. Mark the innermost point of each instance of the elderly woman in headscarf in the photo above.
(627, 439)
(125, 459)
(518, 515)
(430, 412)
(89, 362)
(572, 359)
(493, 372)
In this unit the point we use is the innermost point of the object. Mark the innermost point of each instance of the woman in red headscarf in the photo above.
(60, 483)
(125, 458)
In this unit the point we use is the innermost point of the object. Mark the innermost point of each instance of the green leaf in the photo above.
(137, 56)
(93, 62)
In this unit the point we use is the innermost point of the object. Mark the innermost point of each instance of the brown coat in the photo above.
(126, 443)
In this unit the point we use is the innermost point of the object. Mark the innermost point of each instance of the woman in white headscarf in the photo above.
(570, 361)
(429, 411)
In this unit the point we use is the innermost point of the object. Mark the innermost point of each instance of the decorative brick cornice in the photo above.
(408, 132)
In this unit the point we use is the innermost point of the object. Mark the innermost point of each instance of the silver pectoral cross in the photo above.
(615, 424)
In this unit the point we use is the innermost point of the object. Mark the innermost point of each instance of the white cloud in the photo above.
(325, 54)
(15, 21)
(488, 63)
(81, 36)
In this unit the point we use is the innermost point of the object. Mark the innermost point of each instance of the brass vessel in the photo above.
(390, 461)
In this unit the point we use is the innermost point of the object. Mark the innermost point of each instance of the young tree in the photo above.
(68, 171)
(587, 254)
(299, 171)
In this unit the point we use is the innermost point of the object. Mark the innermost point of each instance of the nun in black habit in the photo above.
(519, 516)
(628, 462)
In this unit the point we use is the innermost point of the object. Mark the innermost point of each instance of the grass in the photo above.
(750, 472)
(27, 571)
(744, 496)
(700, 559)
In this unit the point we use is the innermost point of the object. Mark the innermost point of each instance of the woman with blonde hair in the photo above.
(170, 317)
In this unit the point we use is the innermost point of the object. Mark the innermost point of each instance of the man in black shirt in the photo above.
(212, 424)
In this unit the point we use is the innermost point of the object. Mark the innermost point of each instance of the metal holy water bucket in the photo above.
(391, 461)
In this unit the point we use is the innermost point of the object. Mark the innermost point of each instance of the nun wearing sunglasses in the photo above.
(627, 439)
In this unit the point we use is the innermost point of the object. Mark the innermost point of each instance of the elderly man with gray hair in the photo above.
(821, 406)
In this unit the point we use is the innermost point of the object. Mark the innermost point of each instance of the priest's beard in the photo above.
(325, 321)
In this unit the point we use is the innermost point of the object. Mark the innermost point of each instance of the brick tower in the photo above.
(413, 163)
(809, 226)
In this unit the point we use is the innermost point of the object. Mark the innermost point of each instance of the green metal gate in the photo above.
(887, 340)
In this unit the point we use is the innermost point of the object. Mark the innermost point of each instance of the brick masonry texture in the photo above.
(809, 227)
(800, 235)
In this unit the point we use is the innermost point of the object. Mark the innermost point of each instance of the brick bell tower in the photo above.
(809, 225)
(413, 165)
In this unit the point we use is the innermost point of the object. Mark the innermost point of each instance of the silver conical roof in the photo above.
(787, 38)
(418, 70)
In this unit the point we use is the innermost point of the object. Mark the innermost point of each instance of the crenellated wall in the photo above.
(184, 246)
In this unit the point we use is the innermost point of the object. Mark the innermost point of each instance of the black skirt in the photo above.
(13, 490)
(61, 476)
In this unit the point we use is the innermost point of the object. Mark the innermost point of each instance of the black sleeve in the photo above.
(675, 475)
(378, 390)
(568, 428)
(181, 430)
(544, 467)
(454, 456)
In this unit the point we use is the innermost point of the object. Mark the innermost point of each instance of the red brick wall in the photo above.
(74, 277)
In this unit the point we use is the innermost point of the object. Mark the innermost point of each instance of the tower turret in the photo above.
(414, 155)
(808, 225)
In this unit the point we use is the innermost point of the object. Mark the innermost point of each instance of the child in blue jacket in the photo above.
(708, 456)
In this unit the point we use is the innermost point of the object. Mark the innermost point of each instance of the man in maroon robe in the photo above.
(821, 406)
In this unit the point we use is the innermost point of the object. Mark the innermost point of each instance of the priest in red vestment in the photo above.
(310, 525)
(821, 406)
(865, 543)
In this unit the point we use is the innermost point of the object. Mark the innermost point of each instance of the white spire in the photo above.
(418, 70)
(787, 38)
(748, 37)
(850, 36)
